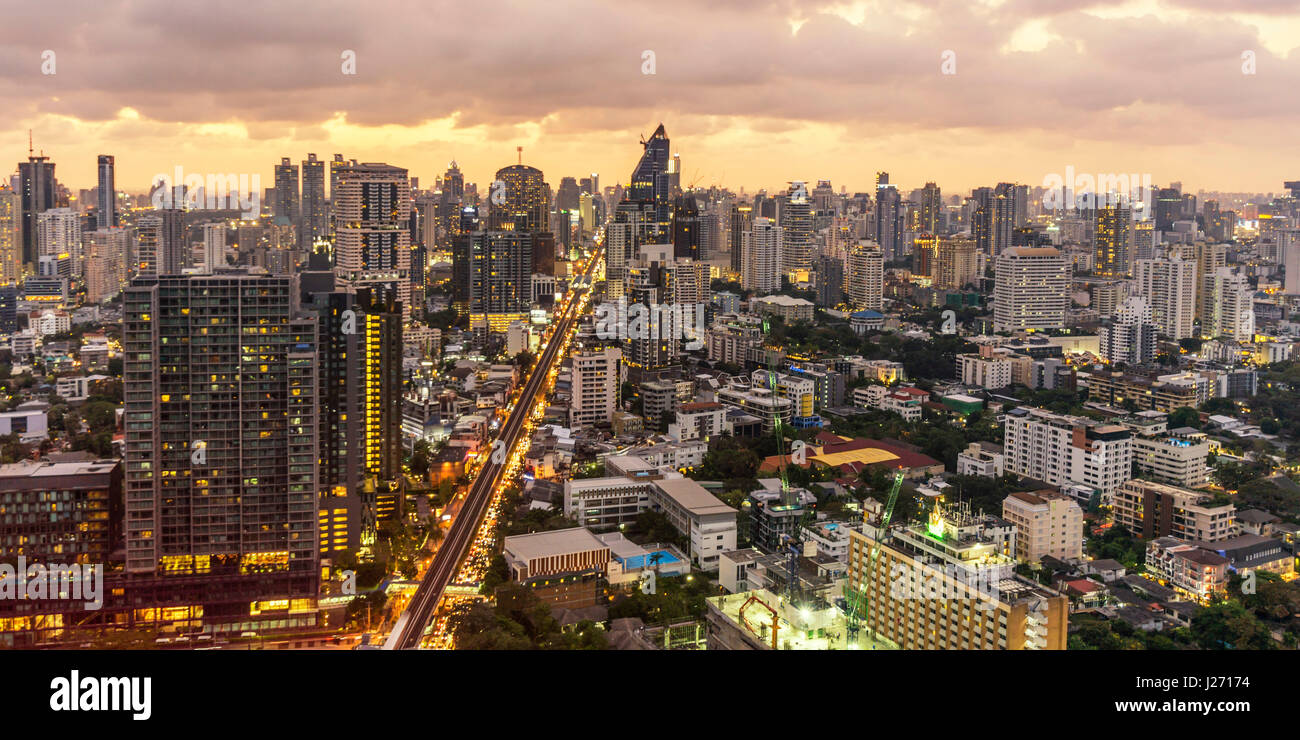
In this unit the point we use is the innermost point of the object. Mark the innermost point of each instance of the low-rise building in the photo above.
(563, 567)
(698, 421)
(983, 459)
(990, 368)
(788, 308)
(1186, 567)
(1048, 523)
(1149, 509)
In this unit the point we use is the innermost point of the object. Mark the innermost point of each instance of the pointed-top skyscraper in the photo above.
(651, 181)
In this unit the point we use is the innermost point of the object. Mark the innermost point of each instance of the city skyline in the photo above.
(579, 99)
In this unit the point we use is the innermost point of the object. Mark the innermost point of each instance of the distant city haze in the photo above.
(756, 94)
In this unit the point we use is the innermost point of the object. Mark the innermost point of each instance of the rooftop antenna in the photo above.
(521, 154)
(29, 143)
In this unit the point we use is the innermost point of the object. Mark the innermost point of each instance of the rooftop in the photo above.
(545, 544)
(691, 496)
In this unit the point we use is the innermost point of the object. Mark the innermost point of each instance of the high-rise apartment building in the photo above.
(742, 220)
(1031, 289)
(864, 277)
(1058, 449)
(106, 255)
(889, 220)
(58, 235)
(287, 208)
(761, 257)
(1229, 305)
(221, 445)
(214, 246)
(11, 236)
(1169, 285)
(500, 278)
(1209, 258)
(315, 209)
(161, 247)
(372, 245)
(633, 225)
(796, 232)
(595, 387)
(994, 219)
(1130, 339)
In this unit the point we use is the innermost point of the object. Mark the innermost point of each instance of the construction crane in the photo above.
(791, 544)
(858, 605)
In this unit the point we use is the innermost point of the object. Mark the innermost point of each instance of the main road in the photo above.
(419, 612)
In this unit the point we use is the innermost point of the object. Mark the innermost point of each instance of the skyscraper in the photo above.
(36, 185)
(161, 244)
(1229, 306)
(1169, 206)
(58, 235)
(686, 228)
(500, 279)
(931, 210)
(955, 263)
(106, 207)
(1111, 239)
(106, 255)
(864, 278)
(1209, 258)
(994, 217)
(521, 203)
(360, 429)
(889, 221)
(1130, 339)
(11, 236)
(1169, 284)
(651, 183)
(221, 444)
(288, 204)
(315, 214)
(830, 281)
(214, 246)
(796, 232)
(633, 225)
(761, 259)
(372, 244)
(742, 219)
(595, 387)
(1031, 289)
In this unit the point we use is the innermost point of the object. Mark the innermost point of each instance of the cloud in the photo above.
(566, 76)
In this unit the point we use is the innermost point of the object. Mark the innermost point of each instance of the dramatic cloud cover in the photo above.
(752, 93)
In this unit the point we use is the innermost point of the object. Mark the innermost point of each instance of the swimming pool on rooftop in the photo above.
(645, 561)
